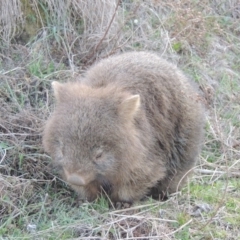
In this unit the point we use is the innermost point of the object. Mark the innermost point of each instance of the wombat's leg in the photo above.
(168, 185)
(122, 198)
(86, 194)
(179, 180)
(159, 192)
(81, 194)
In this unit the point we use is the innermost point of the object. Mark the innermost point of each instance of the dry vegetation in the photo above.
(47, 40)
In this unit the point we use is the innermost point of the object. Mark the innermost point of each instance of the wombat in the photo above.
(131, 127)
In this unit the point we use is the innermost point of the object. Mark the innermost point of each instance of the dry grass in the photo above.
(10, 18)
(58, 40)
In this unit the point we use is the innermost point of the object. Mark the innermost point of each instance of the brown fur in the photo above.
(133, 126)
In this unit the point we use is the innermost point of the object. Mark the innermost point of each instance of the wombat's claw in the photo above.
(122, 205)
(80, 200)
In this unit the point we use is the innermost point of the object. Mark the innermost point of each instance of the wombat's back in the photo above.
(162, 87)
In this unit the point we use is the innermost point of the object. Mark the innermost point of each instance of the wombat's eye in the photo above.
(99, 154)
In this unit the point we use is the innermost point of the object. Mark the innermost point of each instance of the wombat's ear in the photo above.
(57, 88)
(130, 106)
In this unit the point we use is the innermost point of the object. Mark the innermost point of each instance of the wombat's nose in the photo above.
(76, 180)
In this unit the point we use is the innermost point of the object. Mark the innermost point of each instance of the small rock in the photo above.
(198, 209)
(31, 228)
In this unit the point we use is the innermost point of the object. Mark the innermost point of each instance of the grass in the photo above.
(202, 38)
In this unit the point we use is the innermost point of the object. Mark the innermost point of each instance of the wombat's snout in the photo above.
(78, 179)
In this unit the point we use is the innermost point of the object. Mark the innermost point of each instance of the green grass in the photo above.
(40, 69)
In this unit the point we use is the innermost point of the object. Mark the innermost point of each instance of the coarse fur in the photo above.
(132, 126)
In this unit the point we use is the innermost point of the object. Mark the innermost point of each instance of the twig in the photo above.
(216, 172)
(143, 217)
(11, 70)
(4, 155)
(106, 32)
(133, 208)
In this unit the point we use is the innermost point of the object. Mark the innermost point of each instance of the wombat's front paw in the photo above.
(122, 205)
(80, 201)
